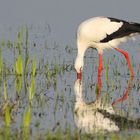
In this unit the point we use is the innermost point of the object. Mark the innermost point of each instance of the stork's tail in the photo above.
(135, 27)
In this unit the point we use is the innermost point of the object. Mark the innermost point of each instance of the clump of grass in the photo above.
(20, 39)
(19, 62)
(67, 135)
(34, 67)
(6, 107)
(19, 73)
(18, 83)
(32, 89)
(19, 65)
(5, 91)
(27, 116)
(33, 83)
(26, 122)
(1, 61)
(7, 116)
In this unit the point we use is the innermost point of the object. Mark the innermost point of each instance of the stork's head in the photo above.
(79, 66)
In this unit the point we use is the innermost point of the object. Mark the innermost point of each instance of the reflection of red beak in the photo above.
(79, 76)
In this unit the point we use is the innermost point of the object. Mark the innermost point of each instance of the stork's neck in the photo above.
(79, 62)
(80, 58)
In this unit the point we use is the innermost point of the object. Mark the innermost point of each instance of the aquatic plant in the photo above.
(32, 85)
(19, 65)
(5, 91)
(27, 116)
(1, 61)
(26, 122)
(18, 83)
(32, 89)
(34, 66)
(7, 114)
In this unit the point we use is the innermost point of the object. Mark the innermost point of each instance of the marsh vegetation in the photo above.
(41, 99)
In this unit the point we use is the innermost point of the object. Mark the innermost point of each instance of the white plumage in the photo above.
(103, 33)
(90, 32)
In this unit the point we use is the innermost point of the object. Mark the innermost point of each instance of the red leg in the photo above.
(125, 96)
(127, 59)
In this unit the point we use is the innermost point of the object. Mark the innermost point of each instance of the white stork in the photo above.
(103, 33)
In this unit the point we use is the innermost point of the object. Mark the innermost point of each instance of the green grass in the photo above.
(1, 61)
(5, 91)
(19, 65)
(27, 116)
(32, 89)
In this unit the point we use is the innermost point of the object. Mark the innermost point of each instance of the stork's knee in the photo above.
(125, 54)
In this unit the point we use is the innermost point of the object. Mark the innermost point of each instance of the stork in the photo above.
(103, 33)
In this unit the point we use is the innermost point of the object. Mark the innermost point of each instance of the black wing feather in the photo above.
(125, 30)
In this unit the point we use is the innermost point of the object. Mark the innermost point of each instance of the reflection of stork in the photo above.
(103, 33)
(99, 116)
(87, 118)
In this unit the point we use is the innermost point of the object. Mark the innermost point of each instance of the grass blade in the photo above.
(5, 91)
(19, 65)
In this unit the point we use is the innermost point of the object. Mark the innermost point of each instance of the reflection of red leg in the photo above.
(100, 67)
(125, 95)
(127, 59)
(99, 87)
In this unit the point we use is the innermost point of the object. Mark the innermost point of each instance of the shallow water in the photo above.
(60, 102)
